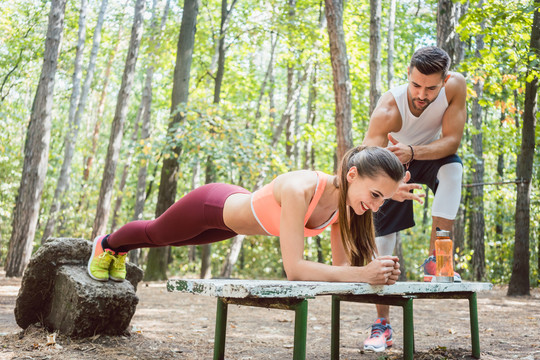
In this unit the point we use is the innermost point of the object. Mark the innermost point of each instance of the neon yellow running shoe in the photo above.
(117, 270)
(100, 261)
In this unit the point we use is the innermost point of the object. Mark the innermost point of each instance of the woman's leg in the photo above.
(196, 218)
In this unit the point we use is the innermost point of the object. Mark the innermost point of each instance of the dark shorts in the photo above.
(195, 219)
(395, 216)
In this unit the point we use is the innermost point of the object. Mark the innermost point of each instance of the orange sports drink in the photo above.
(444, 254)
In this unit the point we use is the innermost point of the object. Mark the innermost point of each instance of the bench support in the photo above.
(406, 302)
(300, 307)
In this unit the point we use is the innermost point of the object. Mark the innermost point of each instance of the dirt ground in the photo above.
(181, 326)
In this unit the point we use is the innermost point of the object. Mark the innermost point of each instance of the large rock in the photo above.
(82, 307)
(57, 292)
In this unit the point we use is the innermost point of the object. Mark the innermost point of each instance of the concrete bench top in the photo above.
(229, 288)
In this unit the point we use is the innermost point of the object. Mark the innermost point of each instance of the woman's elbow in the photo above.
(294, 273)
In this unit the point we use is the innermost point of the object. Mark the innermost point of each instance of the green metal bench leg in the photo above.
(334, 332)
(300, 330)
(221, 329)
(408, 330)
(475, 337)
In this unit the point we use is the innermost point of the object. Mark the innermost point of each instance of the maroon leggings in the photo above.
(195, 219)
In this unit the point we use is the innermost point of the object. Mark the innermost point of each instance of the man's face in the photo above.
(423, 89)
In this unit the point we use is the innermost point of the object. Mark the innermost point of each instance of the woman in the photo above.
(294, 205)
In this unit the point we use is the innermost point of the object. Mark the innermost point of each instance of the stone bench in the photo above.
(293, 295)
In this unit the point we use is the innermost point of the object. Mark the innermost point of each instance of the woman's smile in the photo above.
(363, 206)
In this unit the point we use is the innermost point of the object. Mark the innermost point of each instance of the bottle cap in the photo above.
(443, 233)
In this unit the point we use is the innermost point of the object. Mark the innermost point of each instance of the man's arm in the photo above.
(384, 119)
(453, 123)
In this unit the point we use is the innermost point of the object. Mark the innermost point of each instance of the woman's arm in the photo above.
(295, 196)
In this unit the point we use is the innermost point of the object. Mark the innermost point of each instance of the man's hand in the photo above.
(403, 191)
(402, 151)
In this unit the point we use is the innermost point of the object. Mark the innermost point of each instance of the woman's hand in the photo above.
(383, 270)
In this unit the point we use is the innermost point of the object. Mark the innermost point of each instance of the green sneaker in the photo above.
(117, 270)
(100, 261)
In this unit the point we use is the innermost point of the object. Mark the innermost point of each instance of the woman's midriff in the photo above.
(238, 216)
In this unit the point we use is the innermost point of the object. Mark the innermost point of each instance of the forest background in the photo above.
(262, 100)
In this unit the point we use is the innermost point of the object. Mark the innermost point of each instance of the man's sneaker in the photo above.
(381, 336)
(117, 270)
(100, 261)
(430, 266)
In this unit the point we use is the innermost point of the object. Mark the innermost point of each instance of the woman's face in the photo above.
(367, 193)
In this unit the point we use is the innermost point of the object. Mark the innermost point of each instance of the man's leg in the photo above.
(447, 198)
(441, 223)
(445, 207)
(381, 331)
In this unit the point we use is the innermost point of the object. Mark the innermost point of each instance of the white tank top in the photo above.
(423, 129)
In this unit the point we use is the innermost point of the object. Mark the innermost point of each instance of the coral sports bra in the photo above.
(267, 211)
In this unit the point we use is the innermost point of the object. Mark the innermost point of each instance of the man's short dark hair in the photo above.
(430, 60)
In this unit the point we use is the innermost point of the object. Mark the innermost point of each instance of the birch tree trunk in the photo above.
(340, 72)
(310, 119)
(519, 281)
(374, 54)
(390, 41)
(89, 160)
(156, 267)
(73, 128)
(267, 75)
(206, 254)
(36, 150)
(143, 113)
(145, 110)
(115, 140)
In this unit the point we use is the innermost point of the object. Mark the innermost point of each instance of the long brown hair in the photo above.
(358, 231)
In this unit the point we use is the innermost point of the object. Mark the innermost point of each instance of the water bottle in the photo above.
(444, 254)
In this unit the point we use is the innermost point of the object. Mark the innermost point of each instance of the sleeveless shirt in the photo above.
(423, 129)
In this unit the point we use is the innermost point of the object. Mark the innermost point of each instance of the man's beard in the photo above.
(425, 101)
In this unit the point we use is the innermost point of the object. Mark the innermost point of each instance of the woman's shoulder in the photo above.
(301, 181)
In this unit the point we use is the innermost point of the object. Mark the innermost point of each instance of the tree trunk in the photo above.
(206, 249)
(101, 106)
(143, 115)
(289, 115)
(115, 140)
(267, 75)
(340, 72)
(390, 37)
(232, 256)
(459, 224)
(499, 207)
(145, 110)
(374, 54)
(311, 117)
(156, 268)
(446, 25)
(36, 150)
(73, 128)
(225, 12)
(478, 225)
(125, 171)
(399, 254)
(459, 46)
(519, 281)
(426, 208)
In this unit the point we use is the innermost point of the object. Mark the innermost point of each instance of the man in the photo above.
(422, 123)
